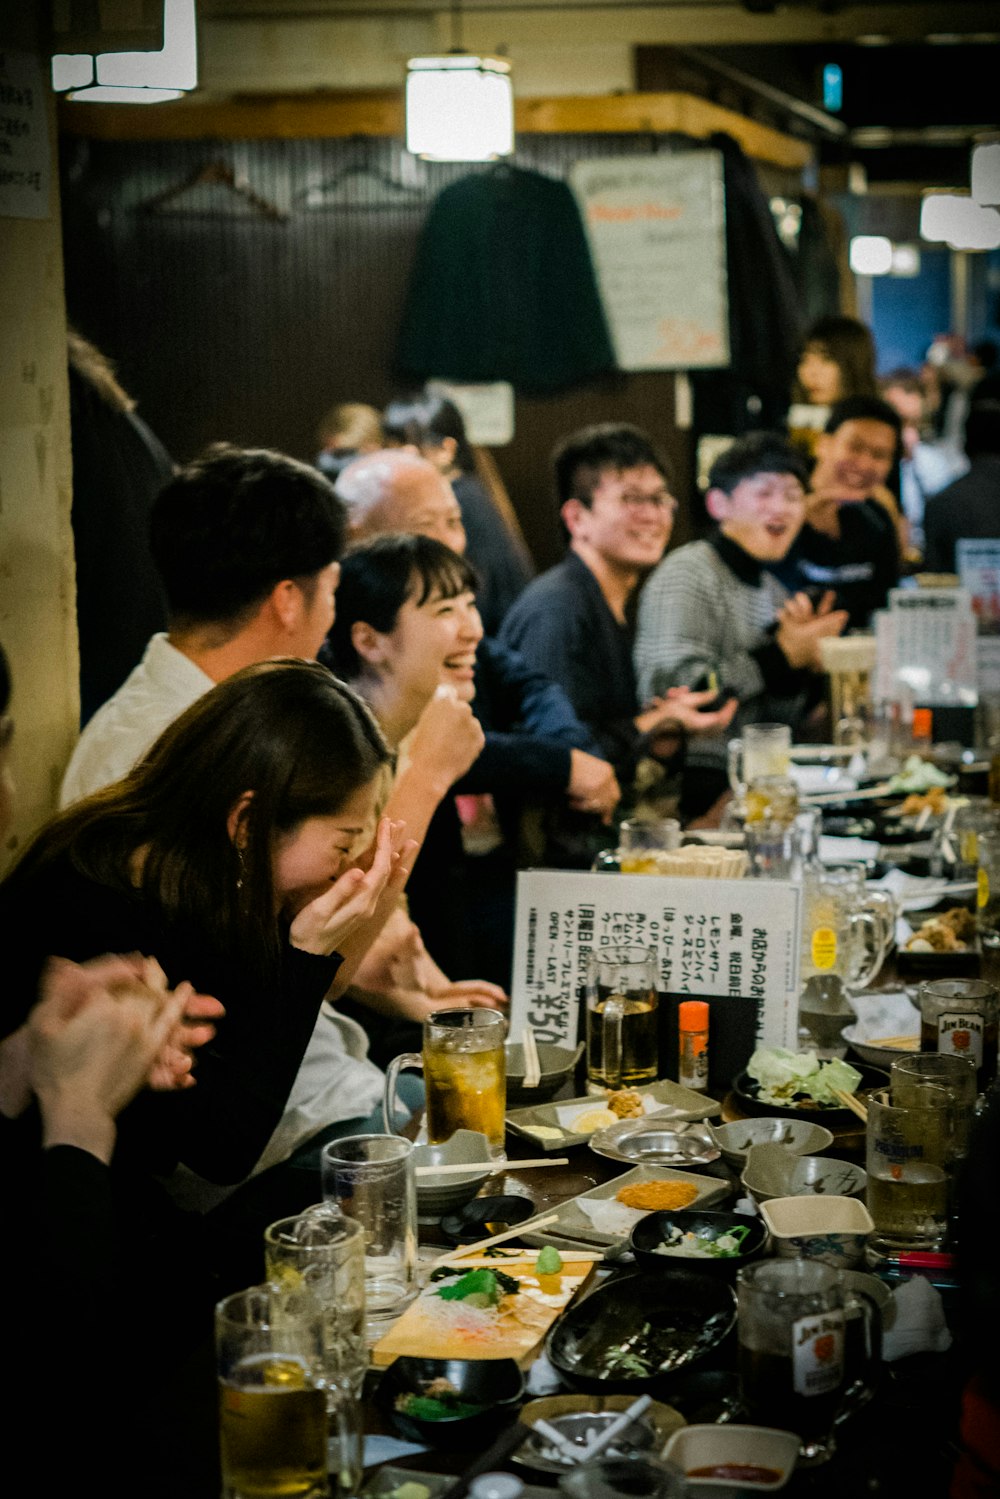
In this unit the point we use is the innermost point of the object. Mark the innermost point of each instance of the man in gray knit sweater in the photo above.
(710, 615)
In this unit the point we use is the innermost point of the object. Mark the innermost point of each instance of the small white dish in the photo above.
(800, 1136)
(763, 1447)
(832, 1230)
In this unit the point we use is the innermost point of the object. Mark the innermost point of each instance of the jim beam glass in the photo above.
(958, 1017)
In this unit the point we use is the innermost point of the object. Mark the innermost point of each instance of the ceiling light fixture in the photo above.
(986, 171)
(136, 77)
(871, 255)
(459, 107)
(960, 222)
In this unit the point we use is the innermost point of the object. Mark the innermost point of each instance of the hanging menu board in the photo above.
(656, 226)
(734, 943)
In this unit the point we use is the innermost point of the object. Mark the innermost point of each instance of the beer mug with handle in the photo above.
(464, 1067)
(622, 1036)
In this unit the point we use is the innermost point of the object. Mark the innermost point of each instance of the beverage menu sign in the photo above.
(656, 226)
(734, 943)
(927, 646)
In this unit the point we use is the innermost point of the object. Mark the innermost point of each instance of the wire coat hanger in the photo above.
(214, 174)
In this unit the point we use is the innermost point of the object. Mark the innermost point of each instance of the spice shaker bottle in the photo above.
(692, 1020)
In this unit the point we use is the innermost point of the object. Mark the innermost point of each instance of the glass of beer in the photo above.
(764, 749)
(793, 1374)
(622, 1038)
(272, 1402)
(465, 1071)
(910, 1150)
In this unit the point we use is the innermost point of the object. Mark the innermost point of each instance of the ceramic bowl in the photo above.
(761, 1447)
(833, 1230)
(773, 1171)
(495, 1385)
(557, 1066)
(635, 1332)
(437, 1195)
(797, 1135)
(652, 1230)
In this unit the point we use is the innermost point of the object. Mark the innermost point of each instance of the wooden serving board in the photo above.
(516, 1329)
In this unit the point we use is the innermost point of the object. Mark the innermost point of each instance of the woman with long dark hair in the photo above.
(228, 853)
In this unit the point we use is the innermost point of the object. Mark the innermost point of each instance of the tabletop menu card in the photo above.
(734, 943)
(926, 643)
(978, 561)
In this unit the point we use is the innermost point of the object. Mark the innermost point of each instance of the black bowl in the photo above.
(470, 1223)
(497, 1385)
(679, 1321)
(745, 1089)
(653, 1229)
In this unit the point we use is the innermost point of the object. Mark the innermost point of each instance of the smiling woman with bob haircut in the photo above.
(228, 853)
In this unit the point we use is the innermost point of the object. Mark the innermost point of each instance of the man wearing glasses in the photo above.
(576, 621)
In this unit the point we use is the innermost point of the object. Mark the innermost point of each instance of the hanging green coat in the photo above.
(503, 288)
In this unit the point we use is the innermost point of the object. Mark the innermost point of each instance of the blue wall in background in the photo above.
(907, 311)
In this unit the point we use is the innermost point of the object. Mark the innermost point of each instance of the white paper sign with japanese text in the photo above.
(24, 138)
(656, 226)
(735, 942)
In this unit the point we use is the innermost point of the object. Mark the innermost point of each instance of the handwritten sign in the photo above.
(24, 138)
(656, 226)
(734, 943)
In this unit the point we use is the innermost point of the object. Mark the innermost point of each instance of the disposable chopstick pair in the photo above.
(850, 1102)
(532, 1067)
(455, 1168)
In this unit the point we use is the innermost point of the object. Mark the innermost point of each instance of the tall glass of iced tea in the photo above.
(464, 1068)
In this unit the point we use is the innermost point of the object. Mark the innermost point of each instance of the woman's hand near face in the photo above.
(327, 922)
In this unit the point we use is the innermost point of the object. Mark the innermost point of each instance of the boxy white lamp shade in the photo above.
(459, 108)
(137, 77)
(871, 255)
(986, 172)
(960, 222)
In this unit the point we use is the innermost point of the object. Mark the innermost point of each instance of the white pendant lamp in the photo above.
(136, 77)
(459, 107)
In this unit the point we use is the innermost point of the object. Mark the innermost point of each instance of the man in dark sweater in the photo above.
(576, 622)
(849, 541)
(971, 506)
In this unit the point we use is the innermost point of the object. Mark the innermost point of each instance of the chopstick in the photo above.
(896, 1043)
(532, 1226)
(850, 1102)
(532, 1066)
(455, 1167)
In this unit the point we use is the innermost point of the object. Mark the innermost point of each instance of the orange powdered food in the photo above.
(653, 1195)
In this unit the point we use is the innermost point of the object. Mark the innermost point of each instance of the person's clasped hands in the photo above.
(801, 626)
(100, 1032)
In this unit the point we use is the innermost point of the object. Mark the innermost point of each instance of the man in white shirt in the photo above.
(246, 542)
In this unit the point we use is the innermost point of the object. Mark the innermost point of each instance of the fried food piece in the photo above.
(961, 921)
(651, 1196)
(936, 799)
(626, 1103)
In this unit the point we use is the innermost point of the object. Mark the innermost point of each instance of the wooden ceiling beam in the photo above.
(332, 116)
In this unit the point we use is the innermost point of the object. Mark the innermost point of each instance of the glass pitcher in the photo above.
(622, 1037)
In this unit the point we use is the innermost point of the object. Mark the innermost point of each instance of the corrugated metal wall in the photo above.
(230, 324)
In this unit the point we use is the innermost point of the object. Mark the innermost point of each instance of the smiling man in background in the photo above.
(575, 622)
(849, 542)
(711, 616)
